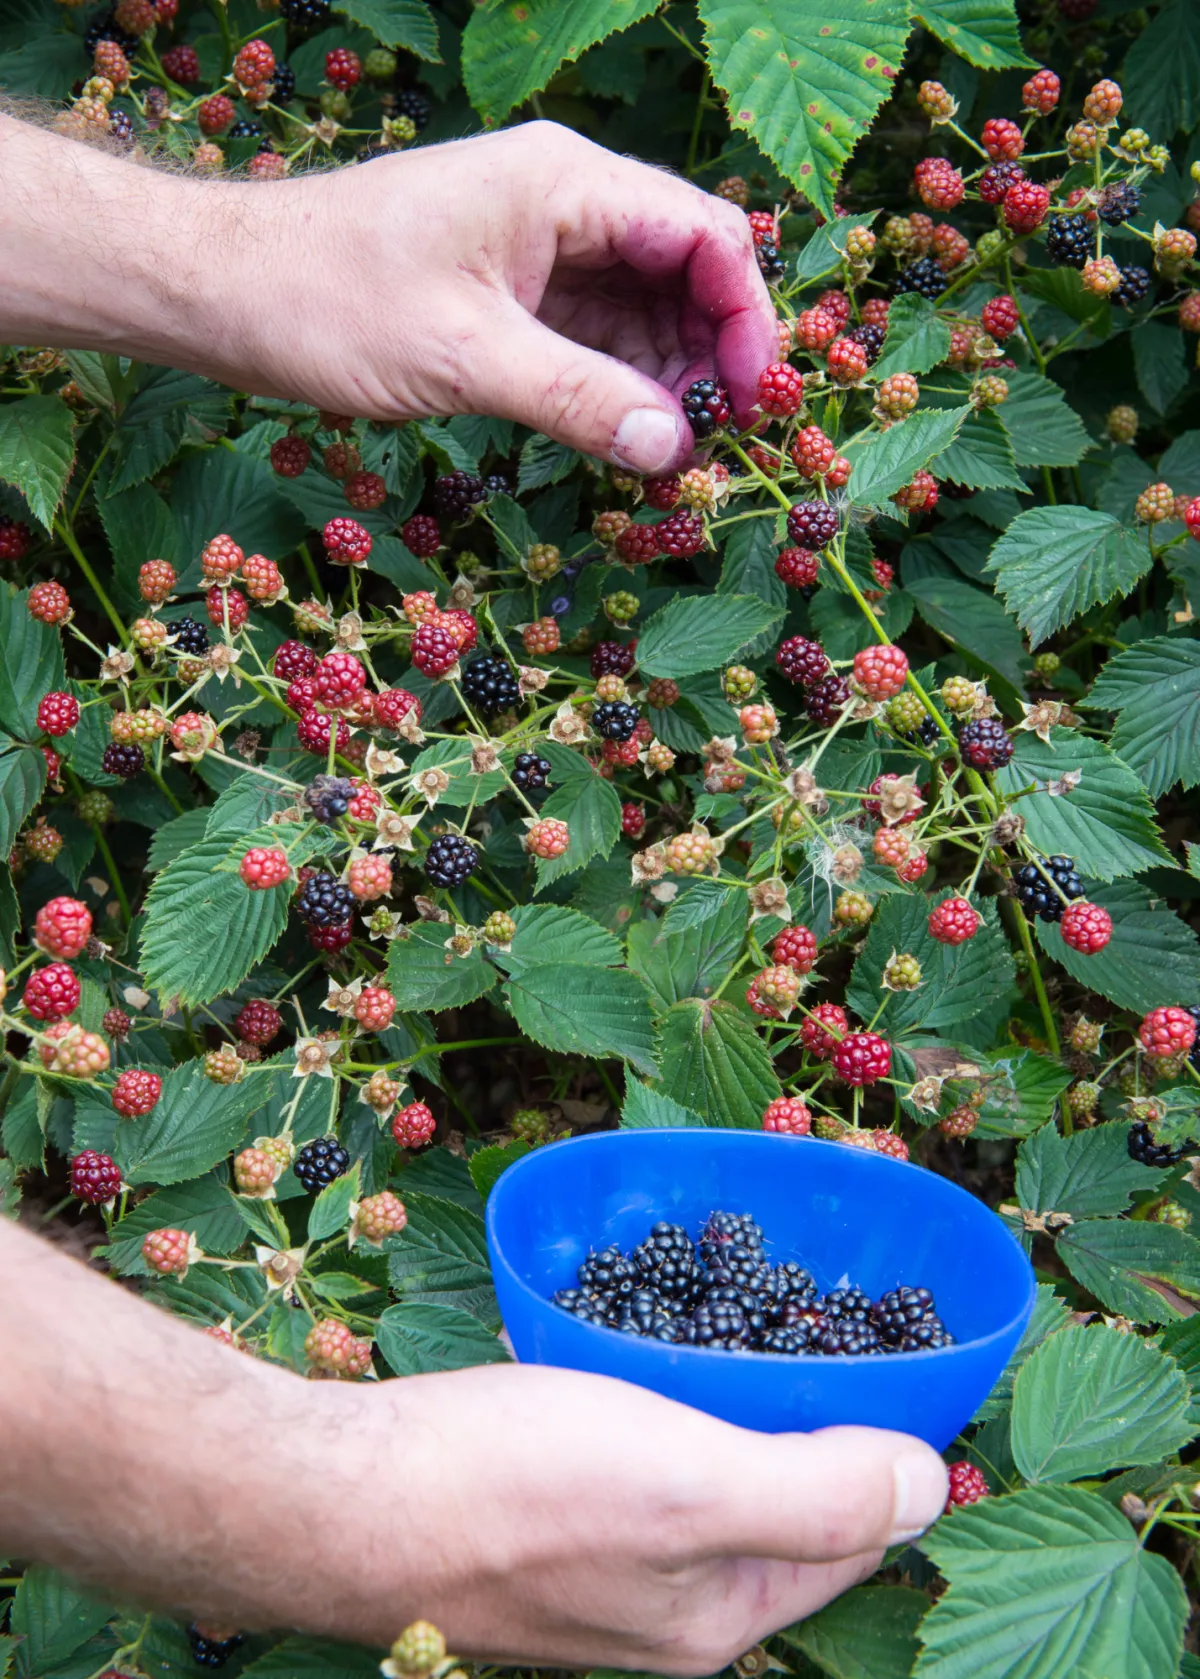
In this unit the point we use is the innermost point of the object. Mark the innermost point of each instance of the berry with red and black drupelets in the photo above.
(788, 1116)
(421, 535)
(15, 538)
(1133, 289)
(825, 699)
(451, 860)
(62, 927)
(52, 992)
(614, 720)
(925, 277)
(870, 340)
(328, 797)
(264, 867)
(996, 180)
(815, 1035)
(435, 648)
(258, 1022)
(456, 493)
(489, 686)
(318, 1163)
(1002, 139)
(122, 759)
(346, 541)
(331, 939)
(985, 743)
(633, 820)
(801, 660)
(638, 544)
(1144, 1149)
(136, 1092)
(1025, 206)
(967, 1482)
(880, 672)
(189, 636)
(705, 404)
(1042, 888)
(862, 1058)
(612, 658)
(847, 361)
(49, 603)
(325, 901)
(530, 772)
(293, 659)
(1070, 242)
(365, 491)
(316, 728)
(680, 534)
(661, 493)
(798, 567)
(770, 264)
(95, 1178)
(1041, 93)
(343, 69)
(116, 1023)
(226, 607)
(954, 921)
(1119, 203)
(1086, 927)
(1167, 1031)
(780, 390)
(57, 713)
(1000, 317)
(812, 524)
(413, 1126)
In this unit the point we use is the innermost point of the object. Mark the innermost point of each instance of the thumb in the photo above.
(522, 370)
(836, 1493)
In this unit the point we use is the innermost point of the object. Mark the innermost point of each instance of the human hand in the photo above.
(538, 1515)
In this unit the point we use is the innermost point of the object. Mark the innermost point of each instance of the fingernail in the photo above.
(647, 439)
(920, 1483)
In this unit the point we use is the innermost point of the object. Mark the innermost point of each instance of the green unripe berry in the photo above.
(530, 1126)
(1081, 1099)
(739, 683)
(958, 694)
(1170, 1212)
(542, 562)
(1122, 423)
(336, 104)
(990, 245)
(1046, 665)
(621, 608)
(499, 928)
(95, 807)
(902, 973)
(379, 65)
(905, 713)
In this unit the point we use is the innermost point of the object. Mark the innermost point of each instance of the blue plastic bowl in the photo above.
(837, 1210)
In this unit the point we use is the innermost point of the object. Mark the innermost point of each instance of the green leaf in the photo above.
(441, 1257)
(751, 550)
(585, 1011)
(1161, 78)
(191, 898)
(804, 80)
(548, 933)
(330, 1212)
(308, 1658)
(21, 1127)
(692, 963)
(171, 408)
(453, 756)
(195, 1124)
(715, 1064)
(32, 664)
(419, 1338)
(510, 50)
(1160, 362)
(984, 32)
(649, 1110)
(435, 1171)
(1050, 1314)
(1088, 1175)
(969, 618)
(1091, 1400)
(174, 837)
(1043, 428)
(589, 805)
(1020, 1092)
(827, 246)
(870, 1633)
(543, 461)
(1182, 1341)
(1053, 563)
(957, 981)
(886, 461)
(37, 451)
(696, 903)
(45, 67)
(1120, 1261)
(1152, 955)
(1063, 289)
(222, 490)
(1155, 688)
(695, 633)
(1106, 823)
(53, 1618)
(917, 339)
(1045, 1582)
(398, 23)
(981, 456)
(22, 778)
(423, 974)
(205, 1208)
(487, 1165)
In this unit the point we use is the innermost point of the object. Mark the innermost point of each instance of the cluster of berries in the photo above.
(724, 1292)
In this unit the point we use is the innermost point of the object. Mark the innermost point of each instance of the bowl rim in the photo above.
(502, 1189)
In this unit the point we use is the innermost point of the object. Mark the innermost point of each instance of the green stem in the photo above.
(1039, 988)
(114, 874)
(67, 537)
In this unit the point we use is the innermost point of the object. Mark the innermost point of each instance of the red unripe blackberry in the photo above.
(95, 1178)
(52, 992)
(391, 705)
(801, 660)
(880, 672)
(798, 568)
(1103, 103)
(788, 1116)
(343, 69)
(795, 947)
(547, 838)
(215, 114)
(938, 183)
(264, 867)
(835, 303)
(258, 1022)
(314, 729)
(15, 538)
(50, 603)
(638, 544)
(339, 679)
(182, 64)
(301, 695)
(331, 939)
(999, 317)
(541, 638)
(263, 578)
(1041, 93)
(346, 542)
(633, 820)
(616, 658)
(53, 764)
(136, 1092)
(63, 927)
(890, 846)
(812, 524)
(421, 535)
(959, 1122)
(116, 1023)
(967, 1483)
(862, 1058)
(333, 1346)
(890, 1144)
(780, 390)
(985, 744)
(954, 921)
(763, 225)
(815, 329)
(825, 699)
(847, 361)
(812, 452)
(434, 649)
(921, 496)
(341, 459)
(374, 1008)
(1086, 927)
(1025, 206)
(57, 713)
(1002, 139)
(815, 1035)
(413, 1126)
(220, 559)
(167, 1251)
(233, 602)
(254, 64)
(365, 491)
(661, 493)
(1191, 518)
(156, 579)
(1167, 1031)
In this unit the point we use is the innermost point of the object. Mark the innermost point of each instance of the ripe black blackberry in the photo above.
(581, 1305)
(1069, 241)
(191, 636)
(793, 1339)
(791, 1285)
(812, 524)
(717, 1323)
(642, 1314)
(305, 14)
(706, 405)
(1135, 285)
(770, 264)
(1142, 1147)
(319, 1162)
(123, 760)
(328, 797)
(120, 127)
(530, 773)
(284, 78)
(1035, 892)
(499, 484)
(871, 338)
(1119, 203)
(723, 1231)
(753, 1307)
(901, 1310)
(614, 720)
(985, 743)
(848, 1337)
(211, 1652)
(105, 28)
(667, 1260)
(414, 106)
(245, 128)
(612, 658)
(451, 860)
(323, 901)
(848, 1303)
(924, 277)
(825, 699)
(489, 686)
(455, 494)
(739, 1267)
(926, 733)
(608, 1275)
